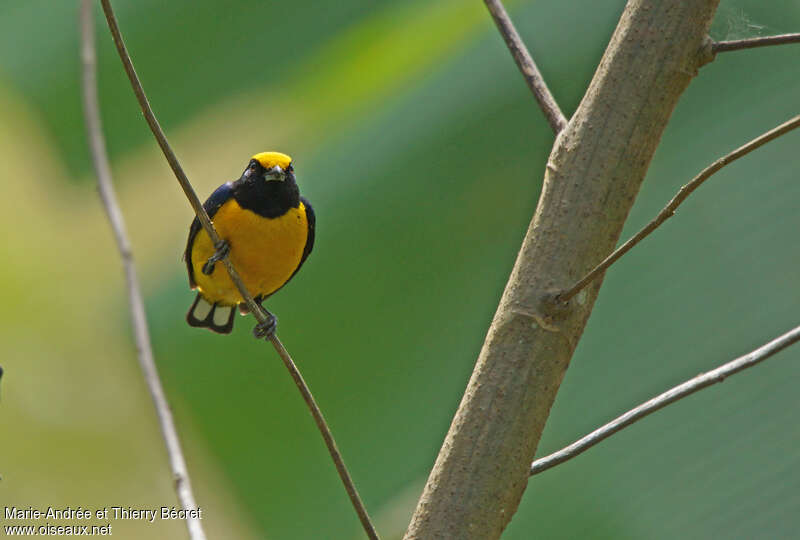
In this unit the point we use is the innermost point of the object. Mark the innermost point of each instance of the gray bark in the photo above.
(592, 177)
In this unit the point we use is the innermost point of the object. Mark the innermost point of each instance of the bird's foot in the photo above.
(267, 328)
(222, 250)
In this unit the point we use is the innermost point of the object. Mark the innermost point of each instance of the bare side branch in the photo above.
(202, 216)
(94, 131)
(527, 66)
(751, 43)
(672, 395)
(669, 210)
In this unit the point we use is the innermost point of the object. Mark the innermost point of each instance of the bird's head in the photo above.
(269, 167)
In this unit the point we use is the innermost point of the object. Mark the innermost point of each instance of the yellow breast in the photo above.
(265, 251)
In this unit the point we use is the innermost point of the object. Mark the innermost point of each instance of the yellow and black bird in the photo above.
(267, 227)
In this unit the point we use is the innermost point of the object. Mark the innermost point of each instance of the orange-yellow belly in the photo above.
(265, 251)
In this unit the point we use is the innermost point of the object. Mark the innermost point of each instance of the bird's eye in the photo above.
(252, 165)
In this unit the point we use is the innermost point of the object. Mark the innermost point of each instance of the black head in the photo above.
(267, 186)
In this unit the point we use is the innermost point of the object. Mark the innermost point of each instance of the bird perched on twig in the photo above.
(267, 230)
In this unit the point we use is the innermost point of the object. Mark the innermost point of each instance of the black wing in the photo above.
(220, 196)
(312, 225)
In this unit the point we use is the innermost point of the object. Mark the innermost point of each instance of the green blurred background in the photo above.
(422, 150)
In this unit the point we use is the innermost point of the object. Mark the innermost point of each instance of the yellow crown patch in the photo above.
(270, 159)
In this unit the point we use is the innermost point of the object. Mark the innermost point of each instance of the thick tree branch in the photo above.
(669, 210)
(94, 131)
(672, 395)
(592, 177)
(259, 314)
(527, 66)
(751, 43)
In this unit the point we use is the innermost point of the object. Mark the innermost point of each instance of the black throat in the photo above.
(269, 199)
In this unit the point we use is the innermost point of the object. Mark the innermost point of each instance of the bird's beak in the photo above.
(274, 173)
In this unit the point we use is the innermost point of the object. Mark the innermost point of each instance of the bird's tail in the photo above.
(215, 317)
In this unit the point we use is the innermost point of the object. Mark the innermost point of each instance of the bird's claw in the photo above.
(267, 328)
(222, 250)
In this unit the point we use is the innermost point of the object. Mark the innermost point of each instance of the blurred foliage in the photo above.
(422, 151)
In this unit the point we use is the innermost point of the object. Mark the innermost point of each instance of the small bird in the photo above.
(268, 230)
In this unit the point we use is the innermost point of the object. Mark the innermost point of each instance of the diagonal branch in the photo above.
(669, 210)
(202, 216)
(94, 131)
(672, 395)
(752, 43)
(527, 66)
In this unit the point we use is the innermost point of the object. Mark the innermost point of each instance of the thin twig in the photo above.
(527, 66)
(751, 43)
(670, 396)
(97, 145)
(669, 210)
(254, 307)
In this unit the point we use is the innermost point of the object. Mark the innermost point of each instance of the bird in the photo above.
(267, 231)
